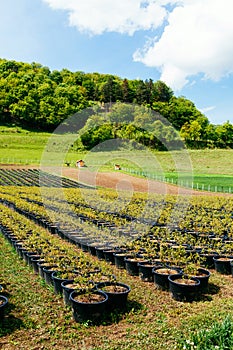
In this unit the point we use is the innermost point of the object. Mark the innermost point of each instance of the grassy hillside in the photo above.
(208, 167)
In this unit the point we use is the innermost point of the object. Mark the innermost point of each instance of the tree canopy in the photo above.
(33, 96)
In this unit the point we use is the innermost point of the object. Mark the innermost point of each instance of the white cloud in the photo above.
(197, 38)
(122, 16)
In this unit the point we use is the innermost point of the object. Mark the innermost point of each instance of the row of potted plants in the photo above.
(57, 263)
(166, 245)
(34, 177)
(203, 244)
(142, 261)
(69, 222)
(204, 216)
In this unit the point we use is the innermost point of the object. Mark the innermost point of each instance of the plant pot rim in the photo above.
(108, 283)
(172, 278)
(5, 299)
(226, 257)
(149, 263)
(206, 272)
(134, 259)
(64, 283)
(60, 279)
(154, 270)
(77, 292)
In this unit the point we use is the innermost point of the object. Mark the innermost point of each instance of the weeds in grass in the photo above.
(219, 336)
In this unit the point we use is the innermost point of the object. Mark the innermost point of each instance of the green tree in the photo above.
(225, 135)
(181, 111)
(161, 92)
(191, 134)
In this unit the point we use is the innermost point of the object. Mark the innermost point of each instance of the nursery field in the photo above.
(91, 235)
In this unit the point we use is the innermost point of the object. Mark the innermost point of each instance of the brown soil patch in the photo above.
(119, 181)
(185, 281)
(75, 286)
(114, 289)
(89, 298)
(164, 271)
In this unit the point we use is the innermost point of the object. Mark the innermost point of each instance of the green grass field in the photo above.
(206, 169)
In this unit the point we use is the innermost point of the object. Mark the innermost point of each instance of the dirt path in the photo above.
(120, 181)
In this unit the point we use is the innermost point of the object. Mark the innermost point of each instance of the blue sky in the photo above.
(187, 43)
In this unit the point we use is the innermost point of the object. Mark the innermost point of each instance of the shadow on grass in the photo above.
(10, 323)
(201, 296)
(114, 315)
(213, 289)
(206, 295)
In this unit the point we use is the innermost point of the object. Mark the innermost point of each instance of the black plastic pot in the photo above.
(131, 265)
(15, 242)
(27, 256)
(41, 265)
(108, 255)
(100, 252)
(145, 270)
(207, 259)
(3, 307)
(88, 311)
(66, 291)
(47, 273)
(84, 245)
(119, 259)
(115, 299)
(181, 291)
(21, 251)
(58, 281)
(53, 229)
(92, 247)
(35, 262)
(203, 276)
(222, 264)
(32, 256)
(161, 274)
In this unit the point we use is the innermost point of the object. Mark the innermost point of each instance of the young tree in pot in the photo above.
(136, 256)
(194, 279)
(162, 272)
(146, 267)
(183, 287)
(117, 293)
(88, 305)
(65, 272)
(222, 262)
(191, 265)
(79, 283)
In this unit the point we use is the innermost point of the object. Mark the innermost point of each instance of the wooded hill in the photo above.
(32, 96)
